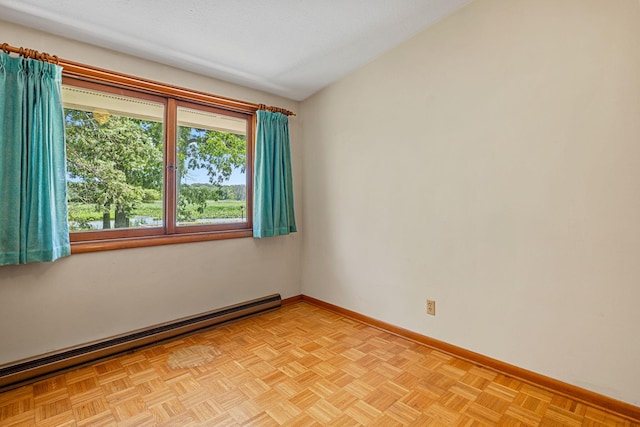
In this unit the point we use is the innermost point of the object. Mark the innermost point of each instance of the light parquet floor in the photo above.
(297, 366)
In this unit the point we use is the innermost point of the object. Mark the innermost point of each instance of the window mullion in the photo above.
(170, 166)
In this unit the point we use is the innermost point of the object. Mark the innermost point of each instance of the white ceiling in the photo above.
(291, 48)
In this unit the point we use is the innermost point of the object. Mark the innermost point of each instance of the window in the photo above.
(146, 169)
(211, 167)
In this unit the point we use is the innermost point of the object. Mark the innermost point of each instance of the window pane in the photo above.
(114, 160)
(211, 166)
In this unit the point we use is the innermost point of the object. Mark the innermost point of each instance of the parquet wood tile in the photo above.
(297, 366)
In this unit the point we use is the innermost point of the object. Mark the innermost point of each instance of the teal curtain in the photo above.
(273, 213)
(33, 189)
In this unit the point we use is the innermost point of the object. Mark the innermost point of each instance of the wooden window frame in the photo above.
(171, 97)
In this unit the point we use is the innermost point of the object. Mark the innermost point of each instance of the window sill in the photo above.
(140, 242)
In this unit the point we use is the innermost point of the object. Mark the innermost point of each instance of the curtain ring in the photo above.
(5, 48)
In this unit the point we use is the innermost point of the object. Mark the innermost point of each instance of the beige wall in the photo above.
(491, 163)
(92, 296)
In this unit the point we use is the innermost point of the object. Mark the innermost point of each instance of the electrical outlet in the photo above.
(431, 307)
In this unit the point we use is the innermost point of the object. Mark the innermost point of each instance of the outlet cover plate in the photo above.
(431, 307)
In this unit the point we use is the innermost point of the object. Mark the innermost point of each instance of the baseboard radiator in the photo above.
(23, 371)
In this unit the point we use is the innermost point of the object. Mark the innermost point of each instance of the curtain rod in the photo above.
(74, 67)
(30, 53)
